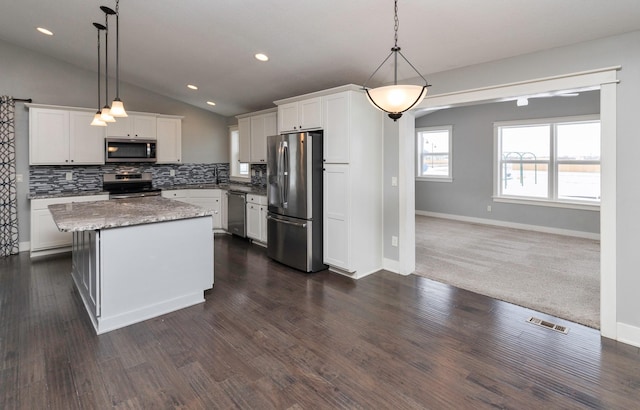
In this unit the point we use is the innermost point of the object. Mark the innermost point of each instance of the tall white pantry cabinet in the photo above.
(353, 215)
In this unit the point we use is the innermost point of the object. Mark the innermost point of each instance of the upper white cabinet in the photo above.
(137, 125)
(253, 130)
(63, 137)
(337, 132)
(261, 127)
(169, 144)
(300, 115)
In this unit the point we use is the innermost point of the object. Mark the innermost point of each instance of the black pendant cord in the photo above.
(117, 50)
(100, 27)
(107, 12)
(27, 100)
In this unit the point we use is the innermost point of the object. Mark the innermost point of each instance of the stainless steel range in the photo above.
(129, 185)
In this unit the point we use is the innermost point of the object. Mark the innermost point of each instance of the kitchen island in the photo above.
(138, 258)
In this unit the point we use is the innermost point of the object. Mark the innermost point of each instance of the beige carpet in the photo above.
(554, 274)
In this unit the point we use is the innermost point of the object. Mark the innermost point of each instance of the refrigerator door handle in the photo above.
(301, 225)
(285, 187)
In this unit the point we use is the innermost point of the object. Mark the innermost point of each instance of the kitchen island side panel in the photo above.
(152, 269)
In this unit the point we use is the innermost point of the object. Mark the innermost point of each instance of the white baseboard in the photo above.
(391, 265)
(628, 334)
(24, 246)
(514, 225)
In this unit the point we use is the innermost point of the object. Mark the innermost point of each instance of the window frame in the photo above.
(419, 154)
(552, 199)
(234, 152)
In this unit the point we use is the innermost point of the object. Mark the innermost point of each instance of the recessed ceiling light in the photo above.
(262, 57)
(45, 31)
(193, 87)
(211, 103)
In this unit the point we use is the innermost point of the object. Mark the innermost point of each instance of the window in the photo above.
(555, 160)
(434, 158)
(239, 170)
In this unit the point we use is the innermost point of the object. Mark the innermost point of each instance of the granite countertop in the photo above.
(89, 216)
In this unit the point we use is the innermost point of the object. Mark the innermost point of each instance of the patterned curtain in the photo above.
(8, 193)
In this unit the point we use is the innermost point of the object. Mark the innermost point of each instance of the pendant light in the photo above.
(396, 99)
(117, 107)
(106, 110)
(97, 121)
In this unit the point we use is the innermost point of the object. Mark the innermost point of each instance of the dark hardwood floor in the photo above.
(270, 337)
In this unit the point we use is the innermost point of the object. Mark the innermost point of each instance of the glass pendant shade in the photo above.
(97, 120)
(117, 109)
(396, 99)
(106, 114)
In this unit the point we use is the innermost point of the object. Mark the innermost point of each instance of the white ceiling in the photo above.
(313, 45)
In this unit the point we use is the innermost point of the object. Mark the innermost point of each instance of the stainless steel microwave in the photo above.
(129, 150)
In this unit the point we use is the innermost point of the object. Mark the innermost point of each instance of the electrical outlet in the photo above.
(394, 181)
(488, 208)
(69, 176)
(18, 177)
(394, 241)
(172, 172)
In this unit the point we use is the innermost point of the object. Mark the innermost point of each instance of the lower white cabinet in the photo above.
(336, 235)
(206, 198)
(257, 218)
(45, 236)
(224, 215)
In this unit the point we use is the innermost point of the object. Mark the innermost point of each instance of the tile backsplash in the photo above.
(53, 179)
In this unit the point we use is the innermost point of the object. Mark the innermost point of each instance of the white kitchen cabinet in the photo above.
(210, 199)
(206, 198)
(300, 115)
(169, 140)
(45, 236)
(177, 194)
(224, 215)
(336, 235)
(244, 139)
(61, 137)
(138, 125)
(336, 127)
(86, 142)
(257, 218)
(261, 127)
(353, 218)
(253, 130)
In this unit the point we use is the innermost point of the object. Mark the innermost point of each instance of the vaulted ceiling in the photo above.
(312, 45)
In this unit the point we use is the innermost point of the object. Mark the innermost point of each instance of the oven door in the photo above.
(129, 150)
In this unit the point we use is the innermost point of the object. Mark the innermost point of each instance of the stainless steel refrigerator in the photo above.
(294, 193)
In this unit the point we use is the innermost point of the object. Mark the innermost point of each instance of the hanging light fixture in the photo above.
(106, 110)
(396, 99)
(117, 107)
(97, 121)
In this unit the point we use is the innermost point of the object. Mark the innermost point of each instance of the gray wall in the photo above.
(25, 74)
(472, 187)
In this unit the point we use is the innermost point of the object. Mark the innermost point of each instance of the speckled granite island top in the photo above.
(89, 216)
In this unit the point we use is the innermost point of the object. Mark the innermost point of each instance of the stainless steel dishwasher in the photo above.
(237, 213)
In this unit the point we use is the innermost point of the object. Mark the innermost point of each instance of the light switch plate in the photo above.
(69, 176)
(172, 172)
(394, 181)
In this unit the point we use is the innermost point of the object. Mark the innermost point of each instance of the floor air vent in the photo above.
(548, 325)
